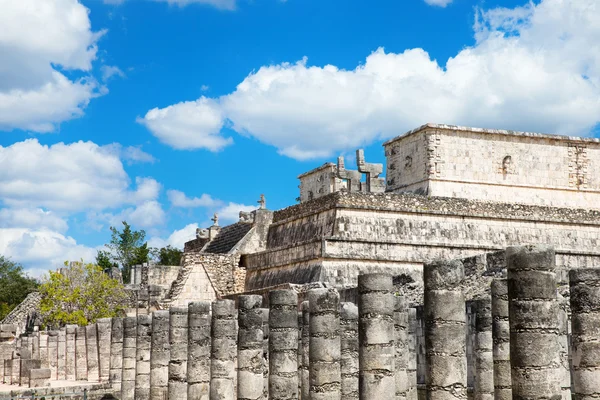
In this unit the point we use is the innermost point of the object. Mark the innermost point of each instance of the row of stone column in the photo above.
(217, 351)
(520, 333)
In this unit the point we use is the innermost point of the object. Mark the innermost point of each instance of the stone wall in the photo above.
(336, 237)
(319, 182)
(496, 165)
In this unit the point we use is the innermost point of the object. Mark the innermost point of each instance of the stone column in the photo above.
(91, 340)
(142, 357)
(116, 353)
(349, 350)
(179, 345)
(484, 358)
(198, 362)
(71, 364)
(250, 348)
(223, 351)
(283, 354)
(304, 354)
(563, 346)
(401, 344)
(159, 355)
(325, 352)
(104, 328)
(299, 348)
(585, 331)
(411, 370)
(533, 313)
(129, 356)
(445, 331)
(81, 368)
(53, 354)
(61, 363)
(376, 337)
(265, 318)
(501, 340)
(35, 340)
(44, 349)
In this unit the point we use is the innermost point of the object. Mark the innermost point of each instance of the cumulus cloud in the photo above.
(176, 239)
(41, 249)
(32, 218)
(533, 68)
(35, 49)
(179, 199)
(439, 3)
(190, 124)
(67, 177)
(111, 71)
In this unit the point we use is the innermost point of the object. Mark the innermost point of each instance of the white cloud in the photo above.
(439, 3)
(533, 68)
(40, 250)
(190, 124)
(231, 212)
(179, 199)
(36, 40)
(110, 71)
(130, 154)
(31, 219)
(177, 239)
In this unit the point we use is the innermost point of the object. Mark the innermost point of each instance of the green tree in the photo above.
(80, 294)
(168, 255)
(128, 247)
(103, 260)
(15, 285)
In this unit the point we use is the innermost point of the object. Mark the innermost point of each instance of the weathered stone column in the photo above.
(116, 353)
(179, 346)
(44, 349)
(81, 367)
(325, 351)
(445, 331)
(349, 350)
(250, 348)
(142, 357)
(501, 340)
(299, 348)
(91, 341)
(376, 337)
(401, 344)
(104, 327)
(129, 357)
(283, 353)
(223, 351)
(563, 346)
(160, 355)
(61, 363)
(35, 339)
(484, 358)
(53, 353)
(304, 354)
(198, 362)
(265, 318)
(585, 331)
(411, 370)
(70, 362)
(533, 313)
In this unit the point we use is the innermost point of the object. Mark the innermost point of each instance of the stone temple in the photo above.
(448, 192)
(371, 287)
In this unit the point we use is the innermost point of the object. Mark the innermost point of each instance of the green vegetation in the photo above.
(15, 285)
(127, 248)
(167, 255)
(80, 294)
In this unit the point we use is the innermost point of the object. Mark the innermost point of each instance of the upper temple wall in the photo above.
(319, 182)
(505, 166)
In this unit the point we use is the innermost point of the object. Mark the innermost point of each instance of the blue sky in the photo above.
(164, 112)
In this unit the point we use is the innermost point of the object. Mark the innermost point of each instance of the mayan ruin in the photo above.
(471, 271)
